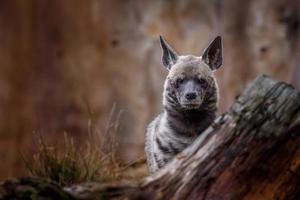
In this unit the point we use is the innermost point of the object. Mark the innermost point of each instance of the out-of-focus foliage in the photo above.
(92, 160)
(68, 164)
(72, 165)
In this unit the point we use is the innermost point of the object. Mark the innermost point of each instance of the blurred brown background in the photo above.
(63, 64)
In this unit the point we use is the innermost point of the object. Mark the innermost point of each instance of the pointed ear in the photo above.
(169, 56)
(213, 54)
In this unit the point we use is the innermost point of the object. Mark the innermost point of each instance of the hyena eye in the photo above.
(179, 81)
(202, 82)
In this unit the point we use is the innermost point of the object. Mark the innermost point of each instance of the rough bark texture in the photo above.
(251, 152)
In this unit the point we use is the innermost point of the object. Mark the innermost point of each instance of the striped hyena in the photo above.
(190, 99)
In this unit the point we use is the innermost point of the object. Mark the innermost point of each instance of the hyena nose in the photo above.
(190, 95)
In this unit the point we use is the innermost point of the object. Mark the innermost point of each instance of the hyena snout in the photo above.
(190, 95)
(191, 92)
(191, 99)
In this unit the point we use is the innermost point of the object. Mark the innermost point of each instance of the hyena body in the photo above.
(190, 101)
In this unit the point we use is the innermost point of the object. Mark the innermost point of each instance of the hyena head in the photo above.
(190, 83)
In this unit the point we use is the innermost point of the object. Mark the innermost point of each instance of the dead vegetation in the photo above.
(94, 160)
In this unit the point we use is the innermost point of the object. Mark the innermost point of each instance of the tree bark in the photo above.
(250, 152)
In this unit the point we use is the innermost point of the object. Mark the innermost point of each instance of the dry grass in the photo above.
(96, 160)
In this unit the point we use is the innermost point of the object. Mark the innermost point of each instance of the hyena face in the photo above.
(190, 81)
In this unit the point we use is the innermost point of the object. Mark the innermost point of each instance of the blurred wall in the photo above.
(65, 63)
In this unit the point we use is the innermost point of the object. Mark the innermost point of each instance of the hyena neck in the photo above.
(190, 123)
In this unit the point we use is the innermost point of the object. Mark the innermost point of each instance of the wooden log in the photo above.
(32, 188)
(252, 152)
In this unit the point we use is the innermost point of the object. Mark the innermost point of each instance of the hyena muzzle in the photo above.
(190, 99)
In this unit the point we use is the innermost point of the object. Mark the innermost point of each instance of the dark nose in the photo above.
(190, 95)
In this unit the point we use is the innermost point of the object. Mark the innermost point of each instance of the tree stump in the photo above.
(251, 152)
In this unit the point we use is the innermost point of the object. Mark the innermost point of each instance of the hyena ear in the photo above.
(213, 54)
(169, 56)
